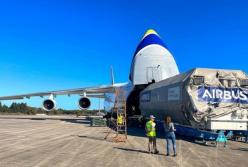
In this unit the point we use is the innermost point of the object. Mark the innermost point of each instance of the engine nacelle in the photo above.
(84, 103)
(49, 104)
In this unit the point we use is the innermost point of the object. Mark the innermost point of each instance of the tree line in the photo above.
(23, 108)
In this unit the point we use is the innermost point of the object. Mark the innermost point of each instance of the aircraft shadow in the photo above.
(135, 150)
(92, 138)
(196, 141)
(140, 132)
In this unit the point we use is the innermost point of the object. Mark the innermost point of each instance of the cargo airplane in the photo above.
(211, 99)
(152, 62)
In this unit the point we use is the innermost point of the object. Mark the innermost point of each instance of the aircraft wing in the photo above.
(89, 92)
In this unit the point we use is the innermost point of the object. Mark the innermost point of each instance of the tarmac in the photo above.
(73, 143)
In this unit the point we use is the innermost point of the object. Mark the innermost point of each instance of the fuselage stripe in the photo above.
(148, 40)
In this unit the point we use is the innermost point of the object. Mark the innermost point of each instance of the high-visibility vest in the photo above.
(150, 129)
(120, 120)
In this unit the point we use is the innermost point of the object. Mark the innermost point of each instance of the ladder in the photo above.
(119, 123)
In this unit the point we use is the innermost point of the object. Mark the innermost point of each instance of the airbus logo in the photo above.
(219, 94)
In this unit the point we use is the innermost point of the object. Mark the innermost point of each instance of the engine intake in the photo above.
(84, 103)
(49, 104)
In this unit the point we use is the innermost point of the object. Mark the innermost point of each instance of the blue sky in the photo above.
(52, 45)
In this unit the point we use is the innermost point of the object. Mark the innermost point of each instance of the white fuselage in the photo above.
(109, 99)
(152, 62)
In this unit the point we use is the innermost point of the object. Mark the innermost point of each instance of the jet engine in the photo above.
(49, 104)
(84, 103)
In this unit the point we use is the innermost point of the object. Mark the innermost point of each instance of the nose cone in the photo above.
(150, 31)
(150, 37)
(152, 61)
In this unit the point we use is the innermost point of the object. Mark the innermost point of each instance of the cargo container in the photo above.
(211, 99)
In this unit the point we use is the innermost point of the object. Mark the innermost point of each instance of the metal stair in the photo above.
(119, 124)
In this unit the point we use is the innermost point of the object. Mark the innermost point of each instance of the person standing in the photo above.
(169, 135)
(151, 134)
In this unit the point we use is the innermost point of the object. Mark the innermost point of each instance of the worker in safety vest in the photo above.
(151, 134)
(120, 120)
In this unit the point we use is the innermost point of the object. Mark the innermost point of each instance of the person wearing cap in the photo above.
(151, 134)
(169, 135)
